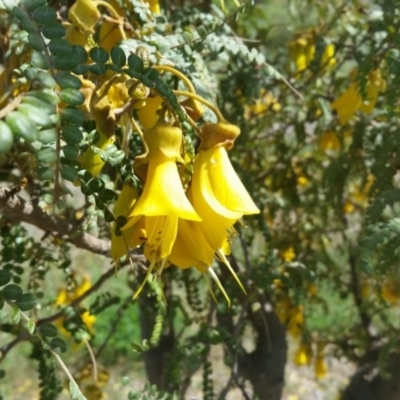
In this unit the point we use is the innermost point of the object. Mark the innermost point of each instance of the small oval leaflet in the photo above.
(69, 173)
(53, 30)
(26, 301)
(70, 152)
(57, 344)
(47, 155)
(32, 5)
(73, 115)
(47, 329)
(5, 277)
(11, 292)
(68, 81)
(118, 56)
(72, 97)
(59, 46)
(44, 15)
(99, 55)
(36, 41)
(135, 63)
(72, 134)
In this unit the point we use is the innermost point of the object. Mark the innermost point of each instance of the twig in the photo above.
(16, 208)
(92, 357)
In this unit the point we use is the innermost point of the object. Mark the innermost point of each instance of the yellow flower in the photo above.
(320, 367)
(84, 14)
(329, 141)
(163, 200)
(295, 321)
(148, 113)
(132, 237)
(303, 354)
(217, 193)
(288, 254)
(154, 6)
(391, 290)
(89, 321)
(110, 35)
(351, 100)
(267, 102)
(302, 51)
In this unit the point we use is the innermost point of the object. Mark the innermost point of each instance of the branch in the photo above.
(16, 208)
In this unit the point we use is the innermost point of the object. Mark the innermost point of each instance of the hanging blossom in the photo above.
(351, 101)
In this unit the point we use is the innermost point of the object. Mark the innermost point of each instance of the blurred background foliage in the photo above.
(314, 87)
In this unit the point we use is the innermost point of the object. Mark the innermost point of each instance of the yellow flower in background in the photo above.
(154, 6)
(320, 366)
(303, 355)
(351, 100)
(266, 101)
(329, 141)
(295, 322)
(64, 298)
(391, 290)
(302, 51)
(288, 254)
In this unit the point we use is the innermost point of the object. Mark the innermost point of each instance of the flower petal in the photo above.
(163, 192)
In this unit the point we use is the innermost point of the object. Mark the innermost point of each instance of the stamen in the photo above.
(149, 270)
(223, 258)
(219, 284)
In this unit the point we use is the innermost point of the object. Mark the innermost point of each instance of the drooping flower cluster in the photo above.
(185, 226)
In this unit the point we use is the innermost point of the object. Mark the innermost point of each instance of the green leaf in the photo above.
(80, 52)
(99, 55)
(15, 315)
(118, 56)
(22, 126)
(5, 277)
(72, 134)
(31, 326)
(46, 95)
(59, 47)
(73, 115)
(39, 60)
(72, 97)
(68, 81)
(2, 302)
(2, 373)
(44, 15)
(135, 63)
(59, 345)
(74, 390)
(11, 292)
(48, 136)
(26, 301)
(30, 73)
(47, 155)
(47, 329)
(107, 195)
(53, 30)
(46, 79)
(98, 69)
(6, 138)
(149, 77)
(36, 115)
(45, 174)
(26, 23)
(96, 185)
(69, 173)
(108, 215)
(36, 41)
(32, 5)
(71, 152)
(81, 69)
(66, 61)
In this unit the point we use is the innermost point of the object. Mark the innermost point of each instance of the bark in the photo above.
(368, 383)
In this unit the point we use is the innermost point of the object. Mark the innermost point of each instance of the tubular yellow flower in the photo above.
(163, 200)
(147, 114)
(303, 354)
(121, 241)
(84, 14)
